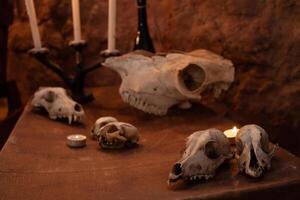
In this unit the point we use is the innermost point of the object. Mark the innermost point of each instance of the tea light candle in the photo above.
(231, 134)
(76, 140)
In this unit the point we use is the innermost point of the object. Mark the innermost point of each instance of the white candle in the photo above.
(112, 12)
(33, 24)
(76, 140)
(231, 134)
(76, 21)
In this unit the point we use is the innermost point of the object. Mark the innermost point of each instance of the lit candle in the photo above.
(112, 12)
(76, 140)
(33, 24)
(76, 21)
(231, 134)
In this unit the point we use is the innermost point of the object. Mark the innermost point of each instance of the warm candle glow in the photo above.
(231, 133)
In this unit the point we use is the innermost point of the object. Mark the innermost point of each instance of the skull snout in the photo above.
(176, 172)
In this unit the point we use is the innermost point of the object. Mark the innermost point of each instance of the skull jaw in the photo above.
(149, 103)
(116, 144)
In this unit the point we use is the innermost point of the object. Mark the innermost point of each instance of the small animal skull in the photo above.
(205, 151)
(253, 152)
(117, 135)
(154, 84)
(102, 121)
(57, 103)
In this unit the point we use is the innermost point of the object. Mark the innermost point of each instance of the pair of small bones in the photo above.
(113, 134)
(57, 103)
(206, 150)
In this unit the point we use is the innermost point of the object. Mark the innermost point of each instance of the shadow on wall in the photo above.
(261, 37)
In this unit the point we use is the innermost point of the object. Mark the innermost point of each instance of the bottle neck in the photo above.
(142, 14)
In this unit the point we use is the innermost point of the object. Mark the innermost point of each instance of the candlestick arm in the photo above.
(41, 56)
(91, 68)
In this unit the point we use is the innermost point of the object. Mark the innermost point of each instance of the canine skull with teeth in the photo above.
(253, 152)
(57, 103)
(154, 84)
(117, 135)
(102, 121)
(205, 151)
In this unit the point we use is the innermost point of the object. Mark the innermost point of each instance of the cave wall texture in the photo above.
(261, 37)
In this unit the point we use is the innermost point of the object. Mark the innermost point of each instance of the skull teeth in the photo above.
(141, 104)
(70, 118)
(199, 177)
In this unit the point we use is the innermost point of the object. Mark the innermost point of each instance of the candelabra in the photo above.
(76, 82)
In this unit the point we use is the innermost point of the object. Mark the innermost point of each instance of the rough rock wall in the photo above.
(261, 37)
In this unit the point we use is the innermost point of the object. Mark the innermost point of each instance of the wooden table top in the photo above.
(35, 163)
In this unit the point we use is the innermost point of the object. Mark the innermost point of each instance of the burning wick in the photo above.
(231, 134)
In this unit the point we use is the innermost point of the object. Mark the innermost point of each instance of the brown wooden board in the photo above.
(35, 163)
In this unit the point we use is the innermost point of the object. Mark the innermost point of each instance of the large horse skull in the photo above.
(253, 152)
(205, 151)
(154, 84)
(57, 103)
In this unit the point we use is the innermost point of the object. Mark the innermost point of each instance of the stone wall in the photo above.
(261, 37)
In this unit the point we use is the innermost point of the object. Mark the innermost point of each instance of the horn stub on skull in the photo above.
(50, 96)
(191, 77)
(211, 150)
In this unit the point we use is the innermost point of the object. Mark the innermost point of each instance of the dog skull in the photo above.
(253, 152)
(57, 103)
(117, 135)
(154, 84)
(102, 121)
(205, 151)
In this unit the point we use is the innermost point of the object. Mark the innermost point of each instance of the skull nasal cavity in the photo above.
(177, 169)
(192, 77)
(77, 107)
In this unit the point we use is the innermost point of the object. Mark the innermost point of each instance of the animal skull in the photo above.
(57, 103)
(205, 151)
(102, 121)
(117, 135)
(253, 152)
(154, 84)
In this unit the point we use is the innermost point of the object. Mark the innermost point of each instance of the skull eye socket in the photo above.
(112, 129)
(211, 150)
(192, 77)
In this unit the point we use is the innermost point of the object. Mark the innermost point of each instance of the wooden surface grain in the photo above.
(35, 163)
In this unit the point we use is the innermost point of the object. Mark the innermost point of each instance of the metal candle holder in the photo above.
(76, 83)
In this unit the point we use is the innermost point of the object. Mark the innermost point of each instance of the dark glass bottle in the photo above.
(143, 39)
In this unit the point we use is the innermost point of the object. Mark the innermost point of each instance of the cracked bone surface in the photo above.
(118, 135)
(154, 84)
(100, 122)
(57, 103)
(204, 152)
(253, 151)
